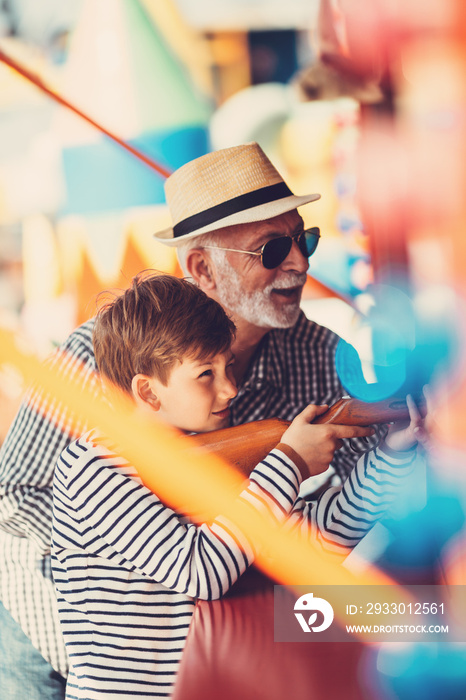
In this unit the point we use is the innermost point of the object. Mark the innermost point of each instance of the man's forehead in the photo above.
(287, 223)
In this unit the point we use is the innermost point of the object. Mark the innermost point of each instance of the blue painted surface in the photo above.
(104, 177)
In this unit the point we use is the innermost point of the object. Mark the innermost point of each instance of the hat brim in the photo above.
(247, 216)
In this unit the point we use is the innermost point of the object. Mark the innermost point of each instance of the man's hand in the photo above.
(316, 444)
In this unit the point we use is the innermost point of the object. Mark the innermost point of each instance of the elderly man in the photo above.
(240, 237)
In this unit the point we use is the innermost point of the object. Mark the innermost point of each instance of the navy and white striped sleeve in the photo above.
(33, 444)
(119, 518)
(343, 515)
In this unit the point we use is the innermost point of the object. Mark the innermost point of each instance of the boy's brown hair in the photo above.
(159, 320)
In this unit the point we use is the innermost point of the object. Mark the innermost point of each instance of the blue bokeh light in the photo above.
(408, 348)
(390, 378)
(423, 671)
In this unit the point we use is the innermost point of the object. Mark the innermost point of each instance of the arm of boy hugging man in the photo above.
(103, 511)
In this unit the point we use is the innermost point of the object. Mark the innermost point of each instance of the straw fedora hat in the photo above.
(236, 185)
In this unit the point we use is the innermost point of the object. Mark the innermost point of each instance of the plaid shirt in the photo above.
(291, 368)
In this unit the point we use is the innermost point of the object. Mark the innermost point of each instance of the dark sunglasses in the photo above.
(275, 251)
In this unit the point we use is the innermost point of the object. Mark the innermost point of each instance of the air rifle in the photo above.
(244, 446)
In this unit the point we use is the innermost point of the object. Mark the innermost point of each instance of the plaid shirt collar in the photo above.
(268, 366)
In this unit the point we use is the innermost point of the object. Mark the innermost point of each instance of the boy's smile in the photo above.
(198, 393)
(223, 415)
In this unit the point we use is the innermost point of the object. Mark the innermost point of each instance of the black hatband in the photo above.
(245, 201)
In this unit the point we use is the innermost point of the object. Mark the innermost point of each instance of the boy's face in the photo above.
(198, 394)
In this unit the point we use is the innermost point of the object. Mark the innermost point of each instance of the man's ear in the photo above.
(200, 267)
(143, 390)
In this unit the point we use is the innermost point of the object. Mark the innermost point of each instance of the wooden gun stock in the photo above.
(349, 411)
(244, 446)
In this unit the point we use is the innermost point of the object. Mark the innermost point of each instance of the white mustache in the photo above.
(291, 280)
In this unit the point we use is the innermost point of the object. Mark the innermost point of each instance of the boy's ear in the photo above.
(142, 388)
(200, 267)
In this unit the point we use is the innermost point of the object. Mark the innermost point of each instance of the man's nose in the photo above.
(295, 260)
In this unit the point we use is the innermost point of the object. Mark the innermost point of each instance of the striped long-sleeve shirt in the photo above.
(291, 368)
(128, 569)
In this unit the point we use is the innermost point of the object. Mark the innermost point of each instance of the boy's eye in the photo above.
(206, 373)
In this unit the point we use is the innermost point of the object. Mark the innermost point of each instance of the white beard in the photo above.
(256, 307)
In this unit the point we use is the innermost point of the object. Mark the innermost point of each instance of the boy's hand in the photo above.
(316, 444)
(403, 435)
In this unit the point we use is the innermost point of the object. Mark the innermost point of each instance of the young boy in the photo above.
(127, 568)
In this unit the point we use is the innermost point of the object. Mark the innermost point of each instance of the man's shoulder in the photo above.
(77, 348)
(80, 337)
